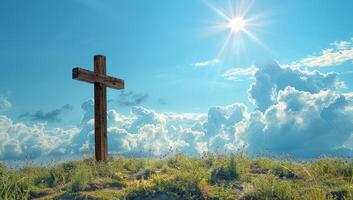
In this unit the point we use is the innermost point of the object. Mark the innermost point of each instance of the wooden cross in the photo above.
(101, 81)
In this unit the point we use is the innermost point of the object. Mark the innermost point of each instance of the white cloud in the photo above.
(271, 78)
(144, 132)
(4, 104)
(342, 45)
(19, 141)
(236, 73)
(297, 112)
(340, 52)
(300, 124)
(206, 63)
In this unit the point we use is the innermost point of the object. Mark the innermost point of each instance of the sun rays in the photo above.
(237, 23)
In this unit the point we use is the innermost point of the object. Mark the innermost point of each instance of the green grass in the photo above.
(181, 177)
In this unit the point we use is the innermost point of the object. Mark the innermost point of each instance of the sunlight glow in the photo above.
(237, 24)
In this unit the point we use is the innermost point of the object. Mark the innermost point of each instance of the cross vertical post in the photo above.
(100, 111)
(101, 81)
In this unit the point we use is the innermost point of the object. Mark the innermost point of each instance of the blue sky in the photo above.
(168, 53)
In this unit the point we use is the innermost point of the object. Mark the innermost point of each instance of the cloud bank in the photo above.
(297, 113)
(300, 124)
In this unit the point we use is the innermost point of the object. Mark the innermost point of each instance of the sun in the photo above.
(237, 24)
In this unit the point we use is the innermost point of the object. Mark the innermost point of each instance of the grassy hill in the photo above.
(181, 177)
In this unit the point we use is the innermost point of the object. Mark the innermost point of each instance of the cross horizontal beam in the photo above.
(92, 77)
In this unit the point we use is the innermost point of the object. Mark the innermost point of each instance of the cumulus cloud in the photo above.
(4, 104)
(146, 132)
(298, 113)
(142, 133)
(220, 127)
(237, 73)
(19, 141)
(270, 78)
(339, 52)
(51, 116)
(205, 63)
(299, 124)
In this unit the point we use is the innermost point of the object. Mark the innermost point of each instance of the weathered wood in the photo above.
(101, 81)
(93, 77)
(100, 111)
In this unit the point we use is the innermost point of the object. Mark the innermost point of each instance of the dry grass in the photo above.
(181, 177)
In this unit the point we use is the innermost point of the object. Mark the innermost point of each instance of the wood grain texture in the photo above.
(100, 112)
(93, 77)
